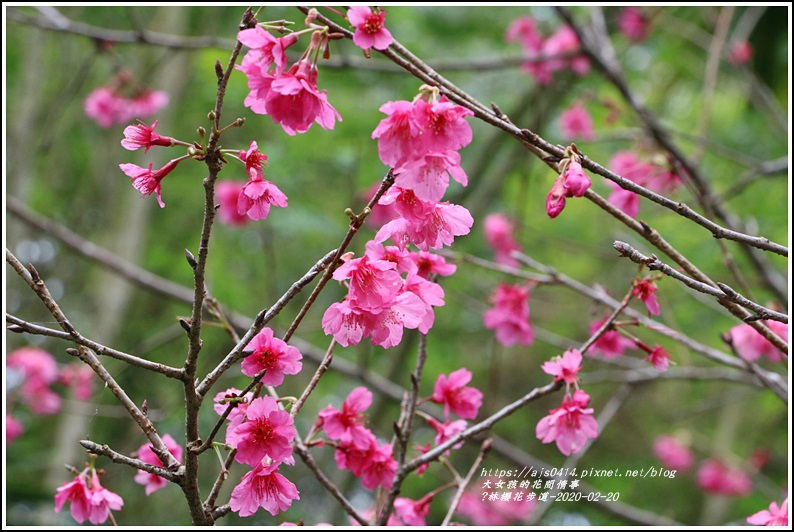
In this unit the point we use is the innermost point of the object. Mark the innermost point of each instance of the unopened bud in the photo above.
(240, 122)
(336, 36)
(201, 132)
(311, 16)
(211, 116)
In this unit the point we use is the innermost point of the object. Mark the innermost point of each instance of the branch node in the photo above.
(191, 259)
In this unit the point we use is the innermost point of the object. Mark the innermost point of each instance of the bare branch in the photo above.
(105, 450)
(453, 505)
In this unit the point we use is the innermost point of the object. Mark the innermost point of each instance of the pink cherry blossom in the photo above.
(106, 107)
(441, 223)
(611, 344)
(398, 134)
(775, 516)
(259, 82)
(645, 290)
(444, 125)
(227, 194)
(659, 358)
(374, 284)
(576, 123)
(345, 323)
(524, 30)
(625, 200)
(145, 453)
(88, 500)
(80, 378)
(257, 197)
(673, 454)
(404, 261)
(254, 161)
(750, 345)
(570, 425)
(265, 48)
(407, 311)
(429, 263)
(408, 512)
(431, 294)
(499, 235)
(38, 370)
(14, 428)
(347, 425)
(147, 103)
(146, 180)
(295, 103)
(273, 356)
(720, 479)
(574, 180)
(565, 41)
(266, 431)
(375, 464)
(370, 28)
(142, 136)
(237, 414)
(380, 214)
(263, 487)
(555, 201)
(493, 511)
(452, 392)
(509, 317)
(446, 431)
(740, 52)
(428, 176)
(633, 24)
(565, 368)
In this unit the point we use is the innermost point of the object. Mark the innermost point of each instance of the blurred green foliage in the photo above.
(64, 166)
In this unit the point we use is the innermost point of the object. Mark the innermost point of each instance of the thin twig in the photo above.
(321, 369)
(105, 450)
(453, 505)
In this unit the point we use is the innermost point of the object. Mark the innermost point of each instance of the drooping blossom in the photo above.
(374, 465)
(740, 53)
(80, 378)
(374, 284)
(775, 516)
(499, 235)
(227, 194)
(146, 181)
(452, 392)
(447, 430)
(645, 289)
(404, 260)
(659, 358)
(408, 512)
(140, 135)
(254, 161)
(673, 454)
(88, 500)
(257, 197)
(370, 27)
(633, 24)
(265, 48)
(106, 107)
(720, 479)
(347, 425)
(266, 432)
(751, 345)
(398, 134)
(509, 317)
(444, 125)
(263, 487)
(574, 180)
(611, 344)
(566, 367)
(493, 510)
(428, 264)
(37, 371)
(14, 428)
(569, 426)
(555, 200)
(576, 123)
(145, 453)
(428, 176)
(147, 103)
(273, 356)
(625, 200)
(232, 396)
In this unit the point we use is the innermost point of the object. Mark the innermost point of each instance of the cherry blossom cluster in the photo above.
(259, 430)
(370, 24)
(150, 481)
(288, 95)
(499, 233)
(751, 345)
(547, 55)
(88, 500)
(509, 317)
(572, 424)
(572, 182)
(657, 177)
(123, 100)
(380, 302)
(31, 373)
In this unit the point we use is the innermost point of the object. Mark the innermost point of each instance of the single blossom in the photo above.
(442, 223)
(273, 356)
(428, 176)
(499, 235)
(611, 344)
(227, 194)
(240, 402)
(428, 264)
(645, 289)
(633, 24)
(555, 200)
(576, 123)
(147, 103)
(570, 425)
(88, 500)
(266, 49)
(452, 392)
(404, 260)
(565, 42)
(145, 453)
(673, 454)
(266, 432)
(775, 516)
(80, 378)
(142, 136)
(431, 294)
(398, 134)
(254, 161)
(257, 197)
(446, 431)
(347, 425)
(565, 368)
(36, 371)
(259, 82)
(263, 487)
(146, 180)
(408, 512)
(720, 479)
(106, 107)
(625, 200)
(444, 125)
(574, 180)
(374, 284)
(751, 345)
(659, 358)
(509, 317)
(370, 27)
(525, 31)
